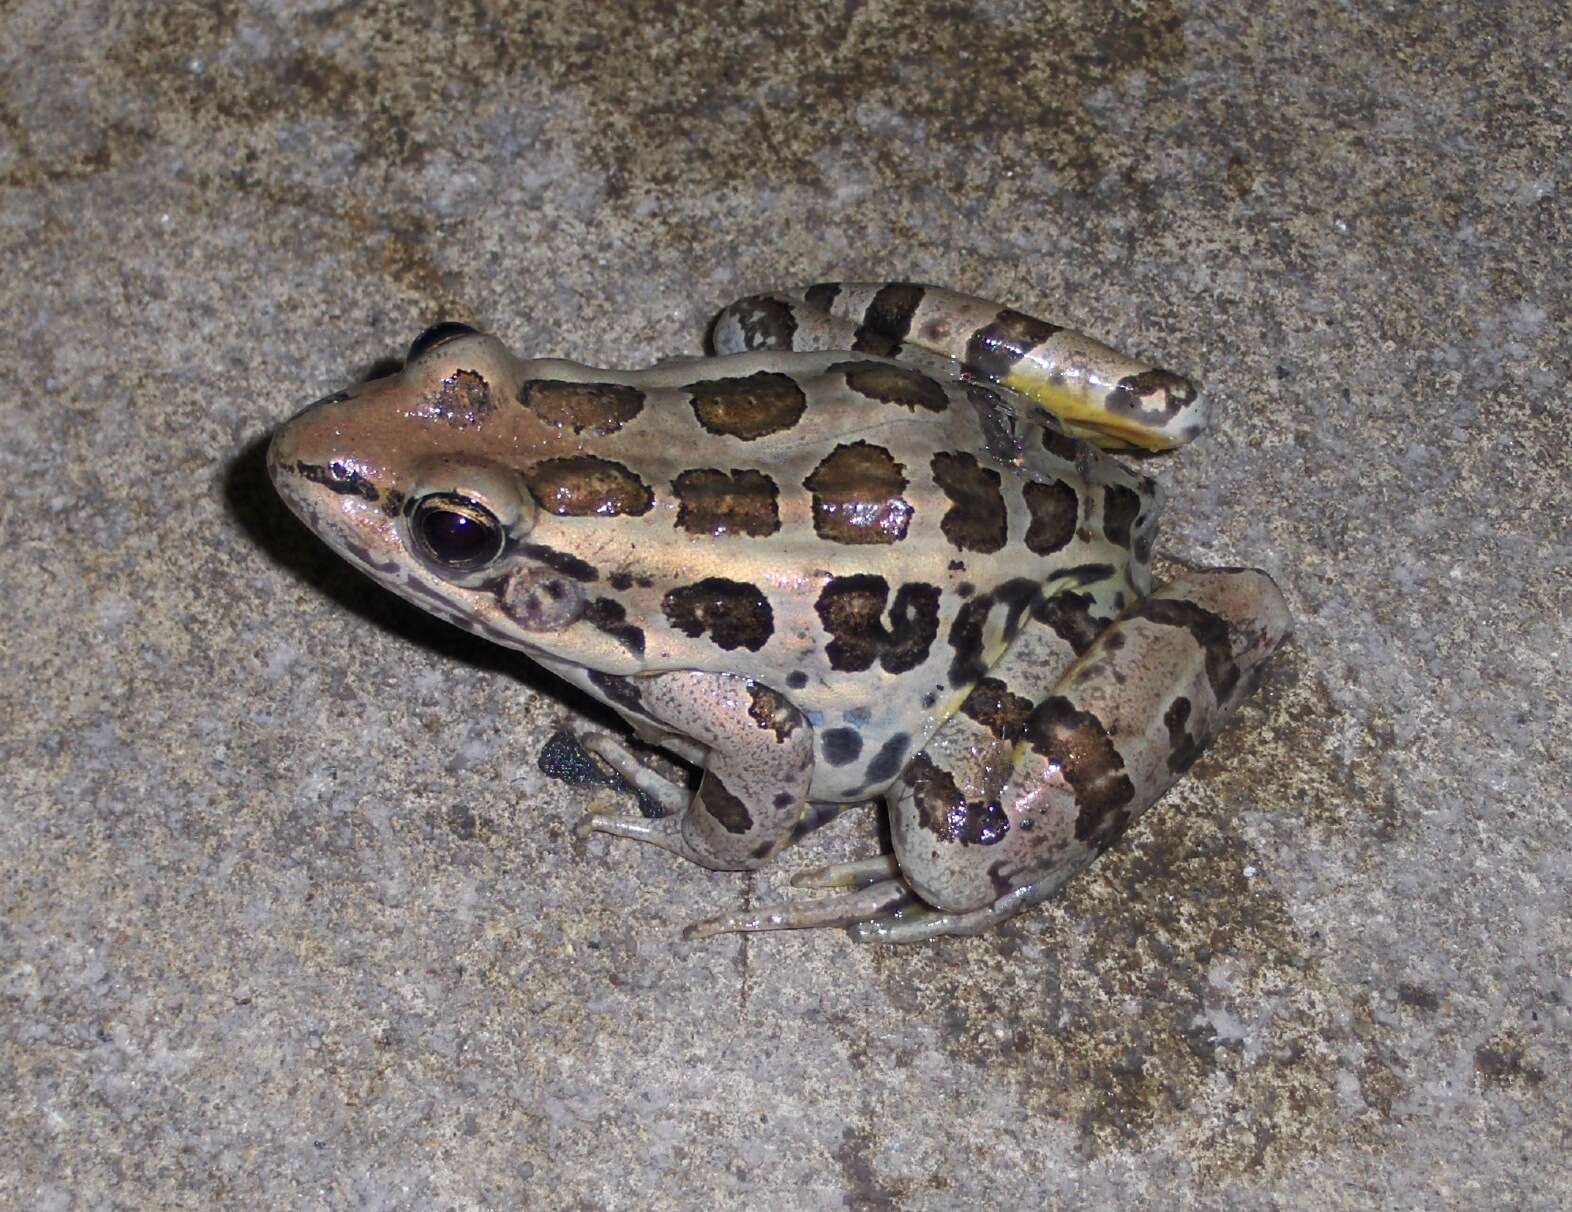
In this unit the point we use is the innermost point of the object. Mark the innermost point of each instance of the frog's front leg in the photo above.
(758, 764)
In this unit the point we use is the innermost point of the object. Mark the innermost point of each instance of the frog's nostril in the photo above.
(436, 335)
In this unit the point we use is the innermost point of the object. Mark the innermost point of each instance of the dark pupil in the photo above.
(455, 537)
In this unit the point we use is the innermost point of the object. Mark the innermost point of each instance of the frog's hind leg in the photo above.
(1093, 391)
(881, 898)
(980, 840)
(1116, 730)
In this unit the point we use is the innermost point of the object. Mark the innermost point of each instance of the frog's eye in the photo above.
(434, 336)
(455, 532)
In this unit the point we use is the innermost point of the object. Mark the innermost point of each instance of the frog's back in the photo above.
(859, 535)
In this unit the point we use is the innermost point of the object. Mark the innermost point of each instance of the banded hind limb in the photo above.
(1004, 806)
(1091, 390)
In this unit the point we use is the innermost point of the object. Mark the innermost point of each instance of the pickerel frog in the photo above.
(872, 548)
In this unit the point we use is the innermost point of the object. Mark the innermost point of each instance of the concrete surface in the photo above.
(291, 918)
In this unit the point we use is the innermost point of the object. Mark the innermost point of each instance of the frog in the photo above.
(877, 543)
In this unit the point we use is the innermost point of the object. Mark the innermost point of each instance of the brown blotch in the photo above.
(620, 691)
(1060, 444)
(1087, 574)
(581, 486)
(995, 349)
(821, 295)
(1078, 743)
(840, 746)
(362, 555)
(999, 423)
(462, 400)
(914, 625)
(597, 408)
(893, 385)
(1053, 508)
(748, 407)
(1070, 616)
(726, 808)
(1158, 391)
(713, 502)
(891, 311)
(1183, 749)
(977, 519)
(857, 496)
(949, 815)
(968, 629)
(1209, 630)
(1120, 508)
(997, 708)
(868, 341)
(735, 615)
(934, 793)
(980, 823)
(611, 618)
(338, 477)
(766, 322)
(565, 562)
(886, 764)
(768, 710)
(852, 609)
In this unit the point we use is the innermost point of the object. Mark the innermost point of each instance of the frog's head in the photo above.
(434, 481)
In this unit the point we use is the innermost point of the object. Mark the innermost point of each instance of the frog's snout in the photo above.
(299, 439)
(283, 460)
(309, 464)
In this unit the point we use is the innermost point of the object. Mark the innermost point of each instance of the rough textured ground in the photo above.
(291, 918)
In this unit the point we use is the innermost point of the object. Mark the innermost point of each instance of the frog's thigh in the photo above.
(1115, 732)
(757, 768)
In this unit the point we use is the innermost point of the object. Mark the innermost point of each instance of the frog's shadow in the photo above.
(259, 511)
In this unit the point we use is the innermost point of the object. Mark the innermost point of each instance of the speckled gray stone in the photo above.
(291, 918)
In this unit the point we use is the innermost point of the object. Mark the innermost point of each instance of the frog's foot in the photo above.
(921, 924)
(670, 795)
(864, 904)
(857, 874)
(663, 831)
(882, 908)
